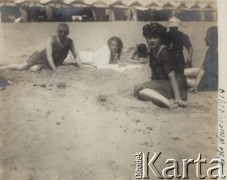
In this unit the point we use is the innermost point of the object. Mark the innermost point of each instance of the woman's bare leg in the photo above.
(191, 72)
(37, 67)
(17, 67)
(157, 98)
(190, 82)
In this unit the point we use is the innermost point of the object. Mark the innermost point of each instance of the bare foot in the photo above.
(173, 106)
(2, 88)
(11, 82)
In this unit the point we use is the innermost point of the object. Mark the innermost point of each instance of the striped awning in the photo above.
(138, 6)
(168, 5)
(208, 7)
(195, 7)
(117, 4)
(28, 2)
(51, 1)
(153, 5)
(6, 3)
(76, 3)
(202, 5)
(99, 4)
(182, 6)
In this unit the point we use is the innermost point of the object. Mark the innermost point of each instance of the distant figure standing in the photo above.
(176, 41)
(175, 21)
(206, 77)
(24, 13)
(56, 51)
(49, 13)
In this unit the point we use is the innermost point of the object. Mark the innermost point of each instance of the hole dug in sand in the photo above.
(61, 85)
(102, 98)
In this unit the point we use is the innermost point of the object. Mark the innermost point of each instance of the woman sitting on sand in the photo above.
(167, 83)
(206, 77)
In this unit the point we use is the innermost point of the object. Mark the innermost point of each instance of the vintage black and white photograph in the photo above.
(110, 90)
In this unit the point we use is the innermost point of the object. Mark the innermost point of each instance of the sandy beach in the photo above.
(85, 123)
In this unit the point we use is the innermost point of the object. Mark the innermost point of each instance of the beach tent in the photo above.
(53, 3)
(32, 9)
(100, 9)
(153, 6)
(117, 10)
(76, 3)
(6, 3)
(78, 10)
(208, 10)
(182, 6)
(137, 10)
(8, 11)
(165, 11)
(28, 2)
(55, 10)
(195, 13)
(60, 14)
(99, 4)
(182, 12)
(210, 13)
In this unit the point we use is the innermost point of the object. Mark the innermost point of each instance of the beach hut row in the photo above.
(107, 10)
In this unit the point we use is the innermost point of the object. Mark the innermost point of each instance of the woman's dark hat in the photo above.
(154, 28)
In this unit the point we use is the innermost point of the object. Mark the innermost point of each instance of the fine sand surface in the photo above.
(85, 124)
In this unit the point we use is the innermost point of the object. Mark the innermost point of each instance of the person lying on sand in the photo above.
(166, 82)
(205, 78)
(56, 51)
(138, 54)
(108, 56)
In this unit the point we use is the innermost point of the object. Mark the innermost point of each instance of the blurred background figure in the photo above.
(24, 13)
(49, 13)
(176, 41)
(138, 54)
(206, 77)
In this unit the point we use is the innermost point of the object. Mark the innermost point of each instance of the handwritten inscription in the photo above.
(221, 127)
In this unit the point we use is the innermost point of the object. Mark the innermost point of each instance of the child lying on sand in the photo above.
(138, 54)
